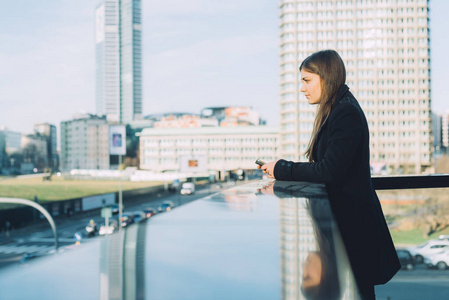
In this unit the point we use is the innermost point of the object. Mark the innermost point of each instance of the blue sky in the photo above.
(196, 53)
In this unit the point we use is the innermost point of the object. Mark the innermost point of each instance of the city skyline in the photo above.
(195, 55)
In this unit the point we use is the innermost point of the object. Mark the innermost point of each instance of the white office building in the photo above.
(385, 46)
(118, 60)
(221, 148)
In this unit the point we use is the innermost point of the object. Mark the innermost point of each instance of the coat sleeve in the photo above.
(343, 146)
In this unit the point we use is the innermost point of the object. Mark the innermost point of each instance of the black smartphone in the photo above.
(259, 162)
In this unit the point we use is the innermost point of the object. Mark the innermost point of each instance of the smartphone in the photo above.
(259, 162)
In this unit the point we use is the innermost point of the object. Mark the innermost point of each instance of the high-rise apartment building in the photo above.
(385, 47)
(118, 59)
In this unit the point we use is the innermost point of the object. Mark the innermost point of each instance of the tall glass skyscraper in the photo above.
(385, 46)
(118, 58)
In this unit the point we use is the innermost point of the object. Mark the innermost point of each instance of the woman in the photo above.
(338, 156)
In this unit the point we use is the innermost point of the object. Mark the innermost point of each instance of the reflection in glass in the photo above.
(313, 260)
(122, 257)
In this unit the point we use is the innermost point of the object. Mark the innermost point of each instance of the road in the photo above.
(421, 283)
(39, 239)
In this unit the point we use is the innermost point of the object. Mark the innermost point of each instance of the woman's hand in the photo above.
(268, 168)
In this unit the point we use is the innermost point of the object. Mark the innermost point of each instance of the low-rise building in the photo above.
(221, 148)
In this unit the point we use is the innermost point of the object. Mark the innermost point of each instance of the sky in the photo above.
(196, 53)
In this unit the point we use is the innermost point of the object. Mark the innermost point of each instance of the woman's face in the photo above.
(311, 86)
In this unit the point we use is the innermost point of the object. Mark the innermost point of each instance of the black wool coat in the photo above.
(342, 163)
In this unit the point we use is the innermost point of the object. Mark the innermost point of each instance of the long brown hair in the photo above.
(330, 67)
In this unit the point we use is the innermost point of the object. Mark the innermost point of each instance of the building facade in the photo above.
(222, 148)
(13, 140)
(437, 133)
(10, 148)
(48, 131)
(119, 60)
(85, 143)
(385, 47)
(445, 131)
(35, 153)
(3, 156)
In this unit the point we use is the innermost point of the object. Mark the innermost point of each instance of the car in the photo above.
(127, 219)
(217, 186)
(139, 216)
(443, 237)
(406, 259)
(188, 188)
(429, 248)
(166, 206)
(439, 260)
(149, 211)
(114, 208)
(111, 228)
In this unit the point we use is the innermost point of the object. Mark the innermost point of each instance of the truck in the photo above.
(187, 188)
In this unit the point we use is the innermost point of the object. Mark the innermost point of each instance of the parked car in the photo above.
(443, 237)
(406, 259)
(149, 211)
(166, 206)
(439, 260)
(429, 248)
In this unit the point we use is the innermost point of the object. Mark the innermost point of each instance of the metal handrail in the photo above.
(39, 208)
(411, 182)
